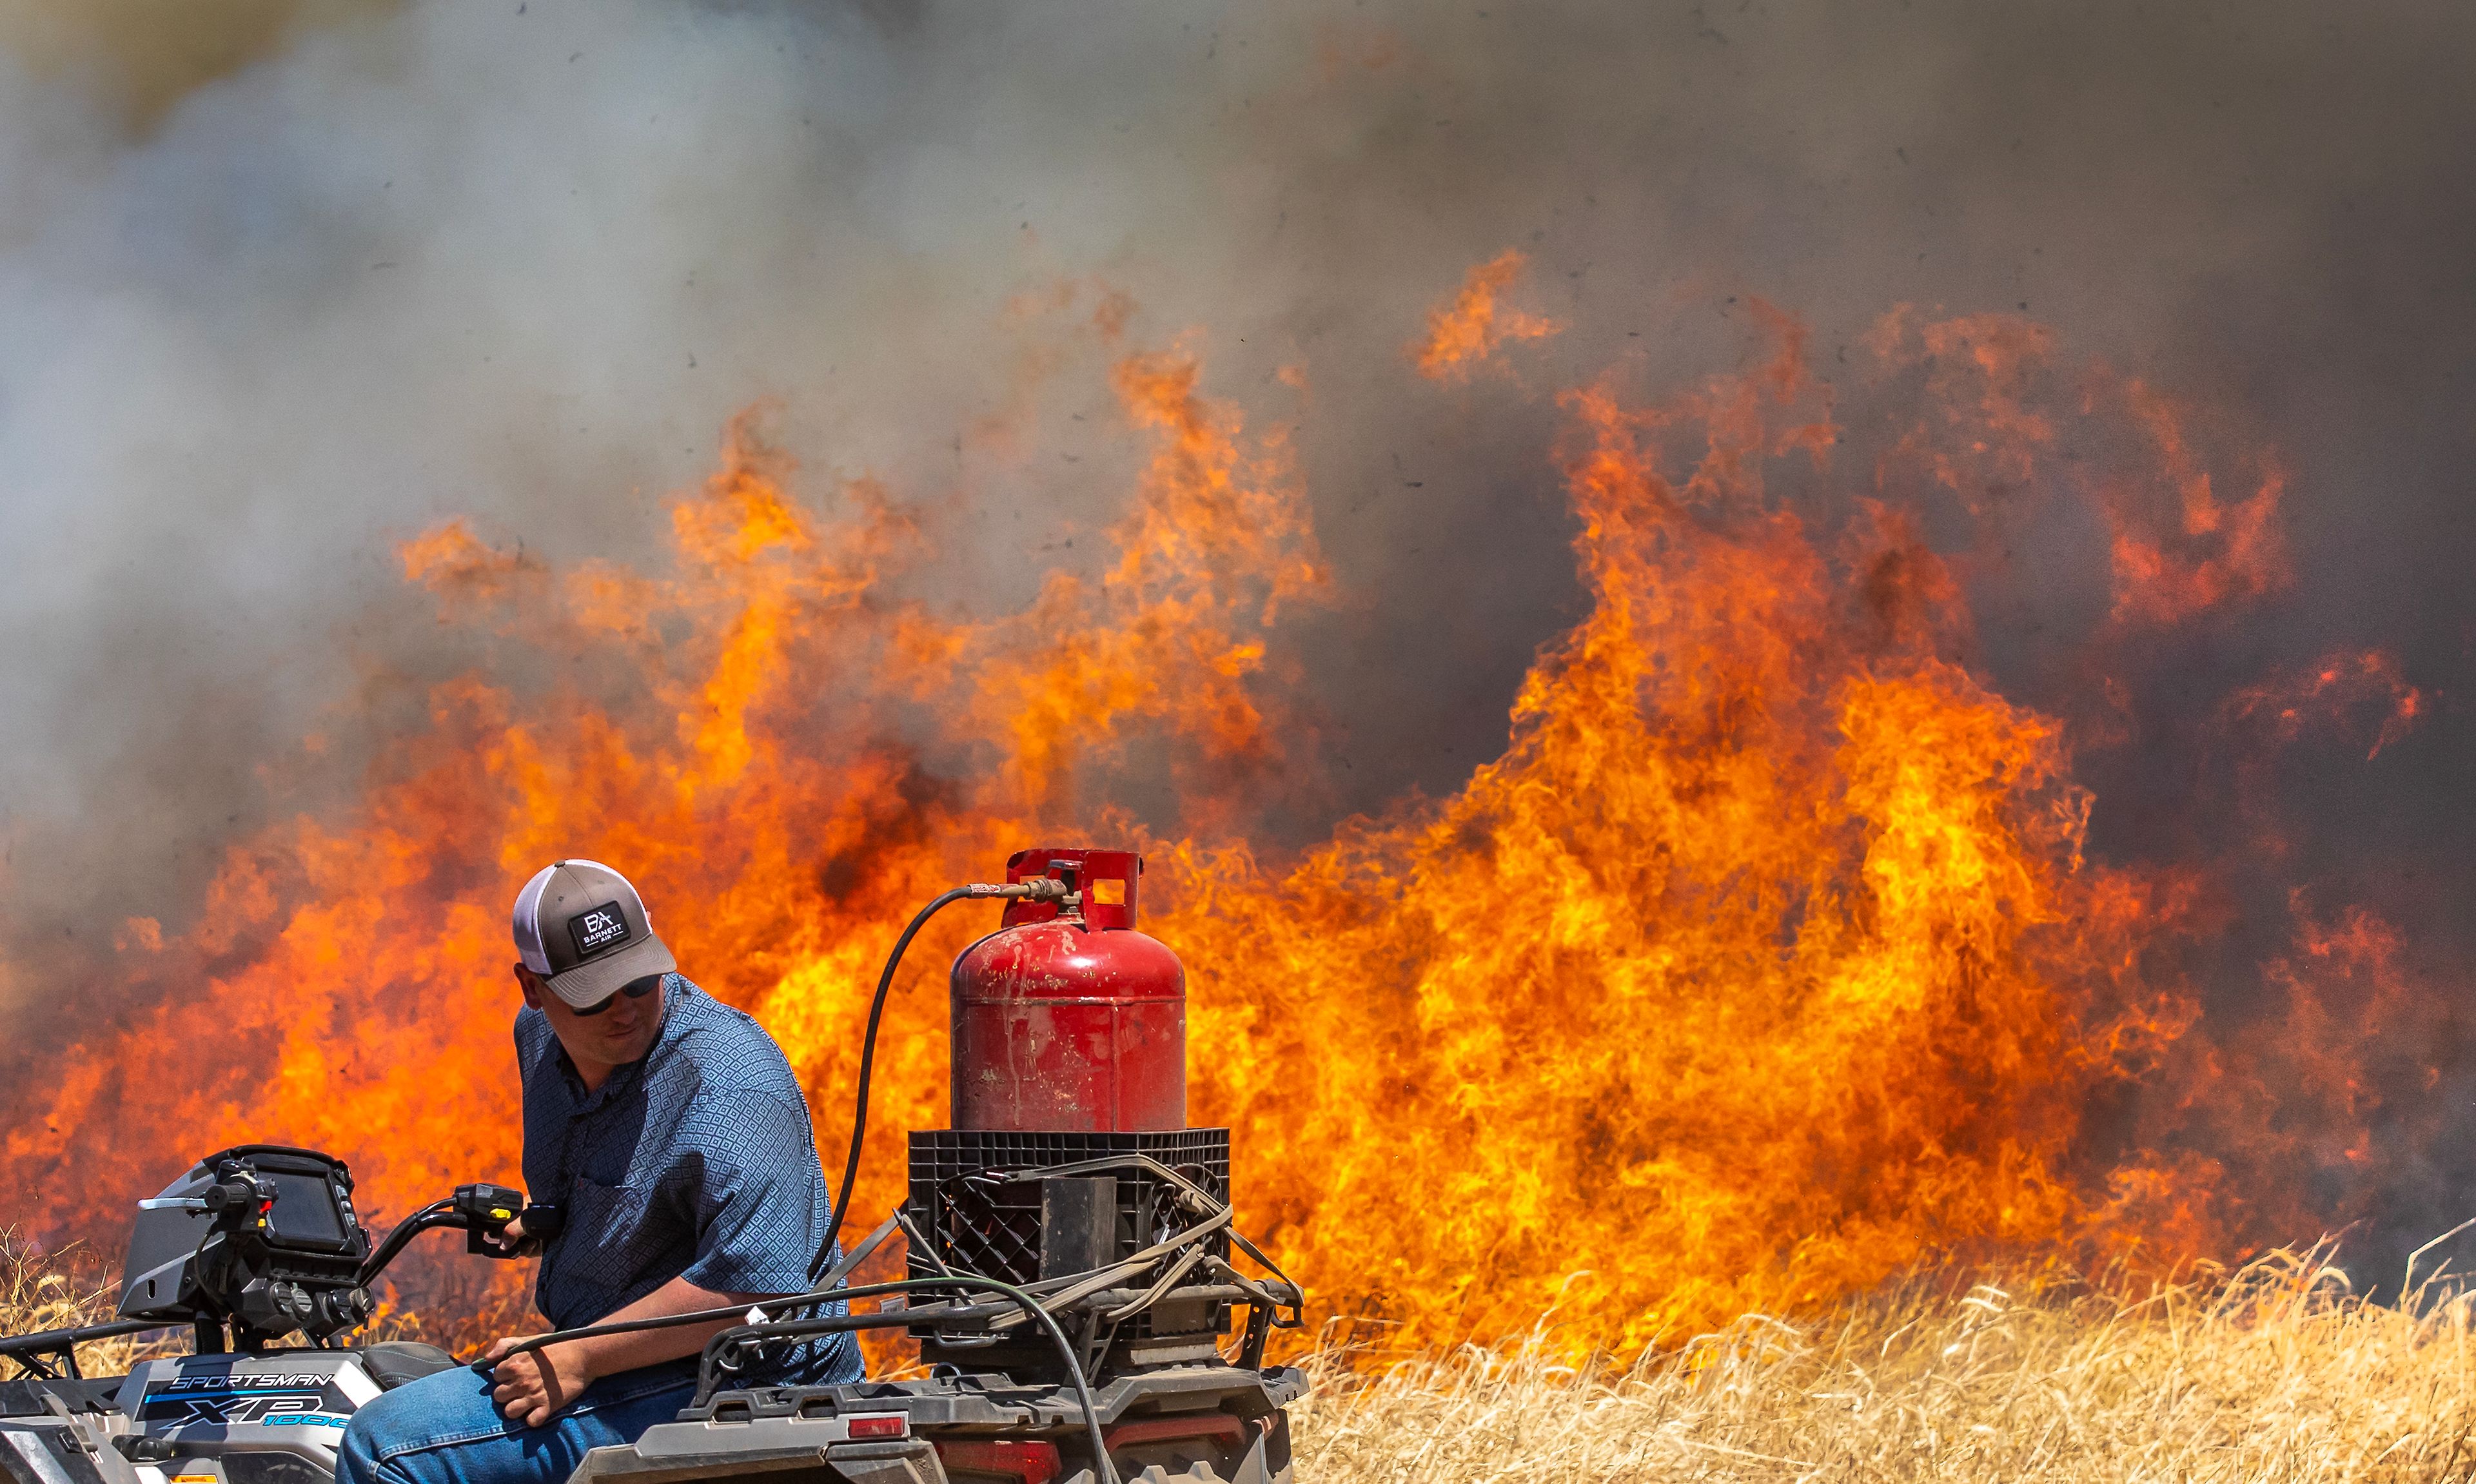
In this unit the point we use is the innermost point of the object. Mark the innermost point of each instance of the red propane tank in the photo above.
(1066, 1019)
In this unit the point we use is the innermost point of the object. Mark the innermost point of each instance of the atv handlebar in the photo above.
(268, 1278)
(482, 1213)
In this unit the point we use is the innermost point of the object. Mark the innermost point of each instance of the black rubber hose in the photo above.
(867, 1064)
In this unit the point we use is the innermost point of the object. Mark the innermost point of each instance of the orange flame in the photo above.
(2226, 551)
(1766, 960)
(2331, 689)
(1466, 333)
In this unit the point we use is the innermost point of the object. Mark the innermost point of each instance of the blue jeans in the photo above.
(445, 1429)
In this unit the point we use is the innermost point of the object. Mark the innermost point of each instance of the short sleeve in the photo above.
(761, 1206)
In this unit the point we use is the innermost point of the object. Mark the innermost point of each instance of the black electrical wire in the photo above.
(1105, 1470)
(1208, 1203)
(709, 1363)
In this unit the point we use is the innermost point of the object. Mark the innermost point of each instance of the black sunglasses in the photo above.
(634, 989)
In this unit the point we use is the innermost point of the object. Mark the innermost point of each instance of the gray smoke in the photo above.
(521, 261)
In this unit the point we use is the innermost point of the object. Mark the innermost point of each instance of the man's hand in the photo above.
(533, 1386)
(511, 1238)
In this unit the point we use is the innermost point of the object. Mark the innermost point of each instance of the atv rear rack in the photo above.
(1094, 1301)
(39, 1352)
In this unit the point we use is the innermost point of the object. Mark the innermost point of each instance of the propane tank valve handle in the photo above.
(1040, 888)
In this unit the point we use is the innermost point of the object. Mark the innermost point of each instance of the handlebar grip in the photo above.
(486, 1210)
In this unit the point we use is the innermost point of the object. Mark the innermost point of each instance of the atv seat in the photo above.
(391, 1362)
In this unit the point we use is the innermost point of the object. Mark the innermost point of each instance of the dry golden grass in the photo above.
(61, 1289)
(2277, 1372)
(48, 1291)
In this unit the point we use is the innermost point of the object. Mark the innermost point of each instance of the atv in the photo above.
(1027, 1383)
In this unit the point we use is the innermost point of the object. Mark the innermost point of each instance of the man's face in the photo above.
(621, 1032)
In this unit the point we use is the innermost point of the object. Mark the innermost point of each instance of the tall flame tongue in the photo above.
(1765, 962)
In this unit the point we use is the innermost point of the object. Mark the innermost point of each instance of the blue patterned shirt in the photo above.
(696, 1162)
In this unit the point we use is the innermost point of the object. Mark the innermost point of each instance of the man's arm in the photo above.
(759, 1179)
(535, 1385)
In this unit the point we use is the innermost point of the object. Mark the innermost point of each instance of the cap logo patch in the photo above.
(596, 929)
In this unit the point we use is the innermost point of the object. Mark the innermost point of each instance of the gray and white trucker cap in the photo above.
(584, 929)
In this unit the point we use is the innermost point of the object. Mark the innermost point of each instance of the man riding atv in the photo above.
(668, 1131)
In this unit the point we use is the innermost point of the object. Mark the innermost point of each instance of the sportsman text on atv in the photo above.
(1070, 1270)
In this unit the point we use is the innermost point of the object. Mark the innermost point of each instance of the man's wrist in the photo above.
(573, 1361)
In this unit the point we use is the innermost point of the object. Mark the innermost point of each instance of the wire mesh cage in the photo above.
(980, 1223)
